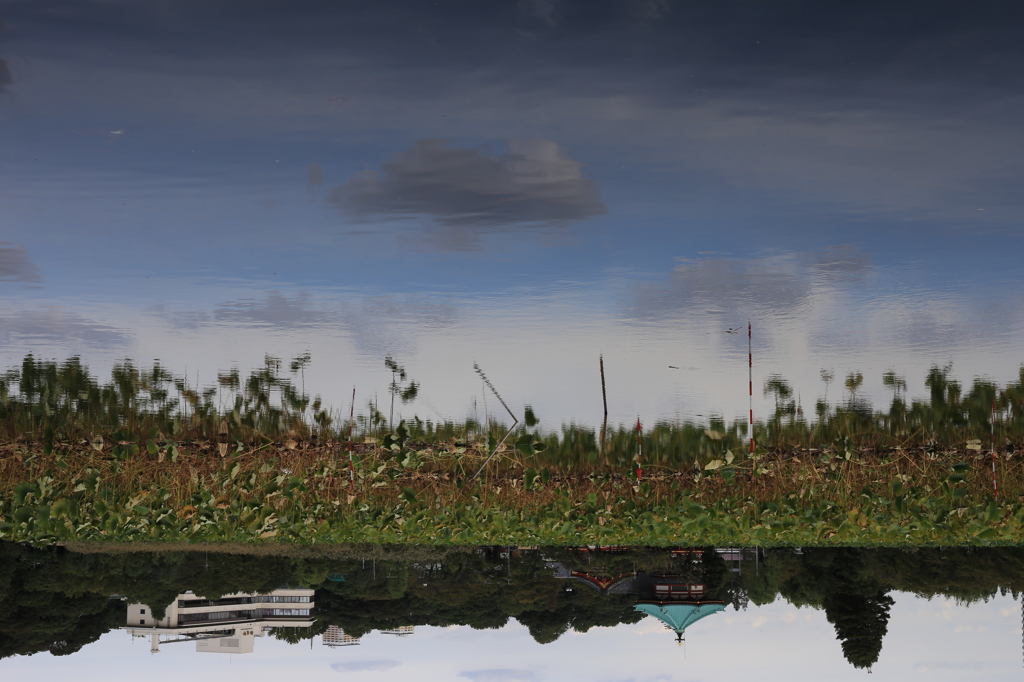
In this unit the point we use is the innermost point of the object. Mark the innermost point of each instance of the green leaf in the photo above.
(529, 476)
(59, 508)
(22, 490)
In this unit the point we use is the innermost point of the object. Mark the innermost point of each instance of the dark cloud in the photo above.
(58, 326)
(15, 265)
(499, 675)
(364, 666)
(533, 184)
(780, 284)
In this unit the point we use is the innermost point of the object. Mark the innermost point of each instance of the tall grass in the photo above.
(46, 402)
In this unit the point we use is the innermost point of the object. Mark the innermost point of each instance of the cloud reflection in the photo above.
(499, 675)
(464, 190)
(15, 265)
(364, 666)
(376, 324)
(54, 325)
(782, 284)
(274, 310)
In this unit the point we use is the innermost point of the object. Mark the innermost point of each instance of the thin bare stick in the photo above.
(604, 424)
(351, 418)
(515, 420)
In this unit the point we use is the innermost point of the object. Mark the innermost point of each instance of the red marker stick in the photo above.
(351, 418)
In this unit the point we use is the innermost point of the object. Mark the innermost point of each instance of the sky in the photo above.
(927, 639)
(523, 185)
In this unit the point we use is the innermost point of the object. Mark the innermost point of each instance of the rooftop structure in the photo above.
(679, 615)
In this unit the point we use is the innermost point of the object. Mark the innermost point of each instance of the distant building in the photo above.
(400, 631)
(226, 625)
(335, 636)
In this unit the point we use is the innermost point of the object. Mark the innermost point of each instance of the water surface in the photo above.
(527, 185)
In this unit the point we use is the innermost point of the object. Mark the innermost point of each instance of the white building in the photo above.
(400, 631)
(226, 625)
(335, 636)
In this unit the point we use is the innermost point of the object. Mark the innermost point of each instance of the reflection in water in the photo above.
(465, 191)
(58, 601)
(226, 625)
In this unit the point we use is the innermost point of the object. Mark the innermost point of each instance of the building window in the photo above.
(142, 611)
(142, 621)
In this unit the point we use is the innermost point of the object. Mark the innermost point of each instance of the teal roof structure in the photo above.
(679, 615)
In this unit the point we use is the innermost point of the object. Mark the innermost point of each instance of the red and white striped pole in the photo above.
(639, 450)
(351, 418)
(750, 372)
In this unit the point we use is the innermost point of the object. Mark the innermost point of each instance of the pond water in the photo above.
(526, 185)
(514, 614)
